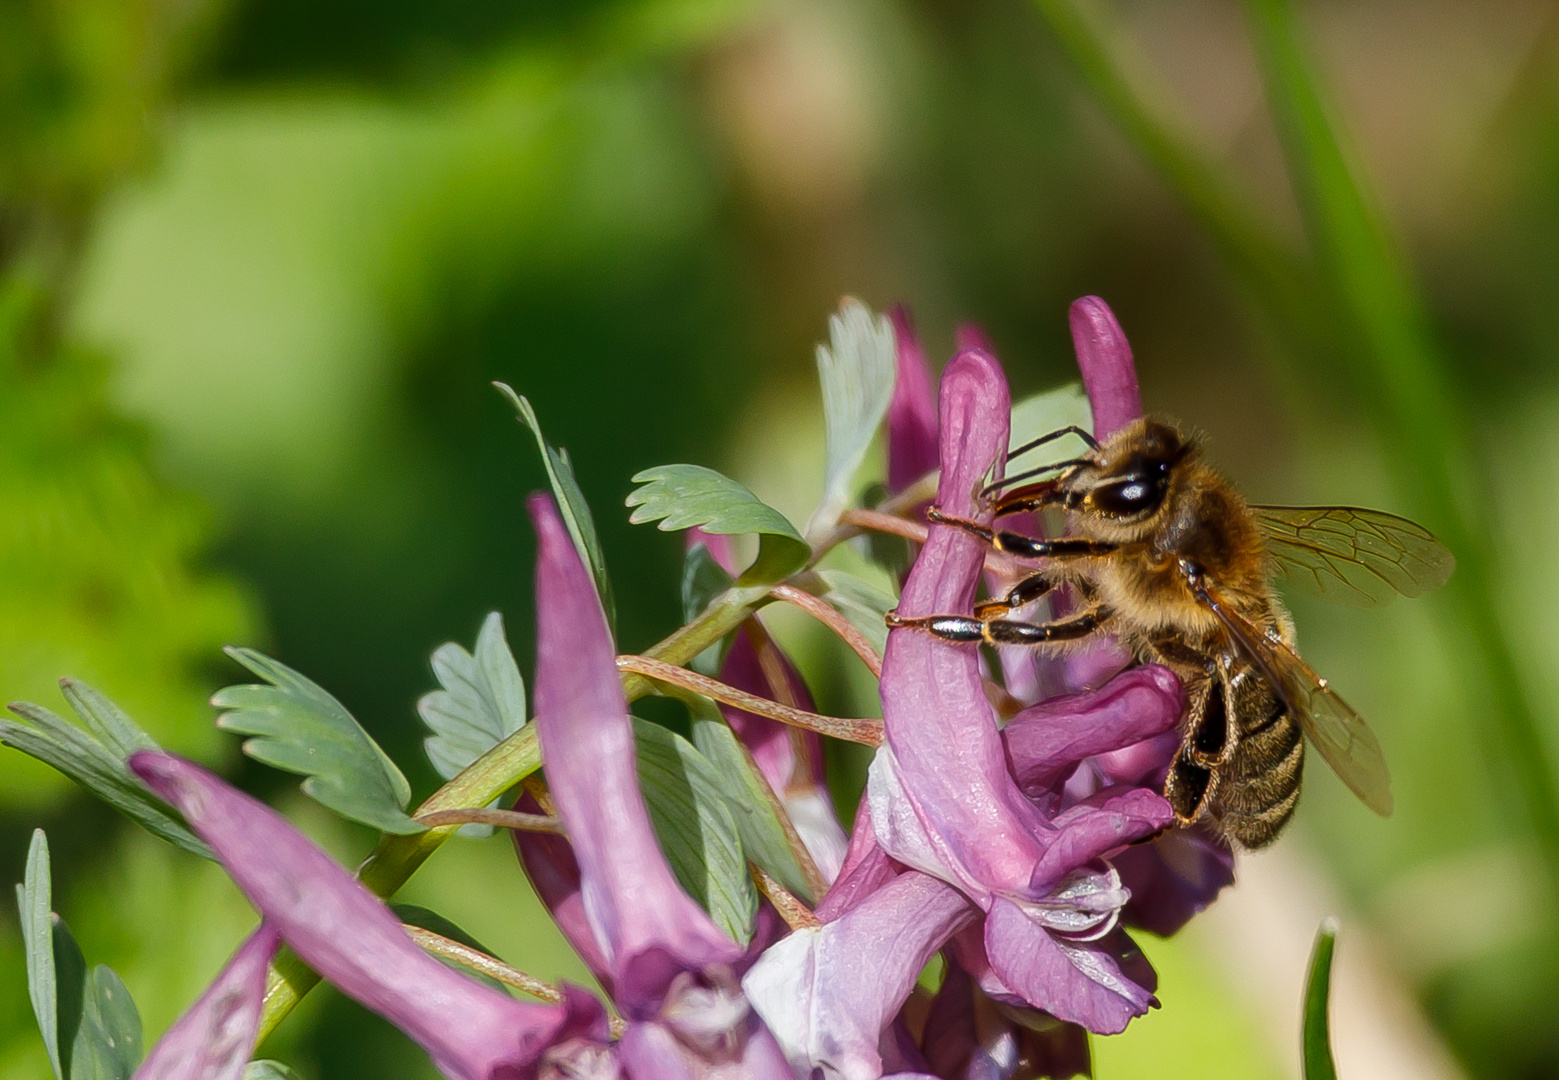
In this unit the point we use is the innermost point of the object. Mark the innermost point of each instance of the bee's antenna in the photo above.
(1007, 481)
(1070, 429)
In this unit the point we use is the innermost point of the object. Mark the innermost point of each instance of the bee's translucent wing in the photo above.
(1351, 555)
(1339, 733)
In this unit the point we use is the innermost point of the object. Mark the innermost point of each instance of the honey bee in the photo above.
(1166, 557)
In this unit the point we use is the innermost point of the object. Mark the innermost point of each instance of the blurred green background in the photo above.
(260, 261)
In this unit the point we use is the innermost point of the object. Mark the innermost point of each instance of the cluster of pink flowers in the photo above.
(1021, 851)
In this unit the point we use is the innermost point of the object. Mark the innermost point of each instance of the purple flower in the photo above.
(830, 993)
(942, 798)
(353, 940)
(216, 1035)
(912, 439)
(672, 970)
(970, 1035)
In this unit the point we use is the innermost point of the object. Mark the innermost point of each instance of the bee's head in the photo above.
(1125, 483)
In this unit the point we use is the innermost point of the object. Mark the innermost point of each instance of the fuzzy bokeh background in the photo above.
(260, 260)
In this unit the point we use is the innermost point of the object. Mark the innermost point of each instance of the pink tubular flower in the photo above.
(672, 970)
(354, 941)
(216, 1035)
(942, 798)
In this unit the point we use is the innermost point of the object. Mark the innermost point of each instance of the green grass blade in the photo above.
(1317, 1025)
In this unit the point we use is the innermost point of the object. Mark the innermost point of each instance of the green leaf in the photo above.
(427, 919)
(571, 501)
(267, 1069)
(753, 805)
(703, 579)
(89, 1022)
(863, 603)
(96, 767)
(1052, 410)
(1318, 987)
(682, 496)
(696, 830)
(856, 370)
(300, 728)
(481, 704)
(33, 902)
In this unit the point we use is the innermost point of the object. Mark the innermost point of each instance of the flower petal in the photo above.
(215, 1037)
(650, 1051)
(345, 933)
(1099, 827)
(867, 868)
(1104, 357)
(647, 927)
(971, 1036)
(1173, 878)
(912, 441)
(1078, 981)
(1046, 741)
(942, 743)
(828, 994)
(549, 863)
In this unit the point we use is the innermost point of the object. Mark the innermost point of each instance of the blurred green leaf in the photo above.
(300, 728)
(682, 496)
(266, 1069)
(753, 805)
(693, 821)
(863, 603)
(703, 579)
(570, 499)
(1050, 410)
(99, 769)
(856, 369)
(1408, 387)
(1317, 1025)
(89, 1022)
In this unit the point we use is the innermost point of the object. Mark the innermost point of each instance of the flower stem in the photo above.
(825, 613)
(796, 914)
(865, 731)
(489, 815)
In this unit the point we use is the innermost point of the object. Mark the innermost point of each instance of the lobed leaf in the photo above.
(1319, 1064)
(682, 496)
(856, 368)
(481, 704)
(300, 728)
(96, 767)
(693, 822)
(570, 499)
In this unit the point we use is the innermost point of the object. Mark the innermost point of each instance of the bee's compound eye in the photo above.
(1131, 495)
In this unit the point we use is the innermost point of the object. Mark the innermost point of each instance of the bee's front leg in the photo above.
(964, 628)
(1025, 547)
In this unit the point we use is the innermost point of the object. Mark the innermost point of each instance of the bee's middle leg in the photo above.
(964, 628)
